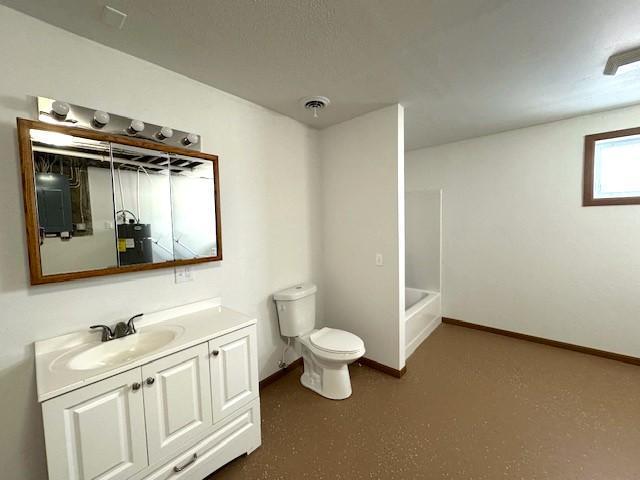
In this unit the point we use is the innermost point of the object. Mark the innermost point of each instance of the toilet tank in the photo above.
(296, 309)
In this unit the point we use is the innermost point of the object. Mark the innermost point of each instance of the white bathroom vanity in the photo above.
(178, 399)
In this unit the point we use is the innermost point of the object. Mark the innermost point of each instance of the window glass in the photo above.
(617, 167)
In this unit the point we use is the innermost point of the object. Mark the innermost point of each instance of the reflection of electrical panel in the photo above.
(54, 203)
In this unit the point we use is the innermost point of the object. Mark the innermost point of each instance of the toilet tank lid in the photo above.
(296, 292)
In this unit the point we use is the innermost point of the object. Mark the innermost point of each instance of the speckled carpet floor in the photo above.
(472, 405)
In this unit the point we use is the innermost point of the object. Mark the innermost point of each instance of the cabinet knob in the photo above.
(135, 386)
(150, 380)
(215, 353)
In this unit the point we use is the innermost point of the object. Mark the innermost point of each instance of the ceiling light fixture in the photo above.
(315, 103)
(623, 62)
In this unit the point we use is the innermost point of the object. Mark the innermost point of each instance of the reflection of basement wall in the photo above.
(87, 252)
(155, 206)
(194, 220)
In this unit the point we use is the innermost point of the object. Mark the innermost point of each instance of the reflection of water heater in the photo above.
(134, 243)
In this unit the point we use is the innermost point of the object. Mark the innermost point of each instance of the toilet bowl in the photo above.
(326, 352)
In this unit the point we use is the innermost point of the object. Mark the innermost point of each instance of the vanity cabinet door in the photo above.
(234, 371)
(177, 401)
(98, 431)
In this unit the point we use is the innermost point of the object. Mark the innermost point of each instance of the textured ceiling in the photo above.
(461, 68)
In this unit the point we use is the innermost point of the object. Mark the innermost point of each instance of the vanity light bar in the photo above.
(63, 113)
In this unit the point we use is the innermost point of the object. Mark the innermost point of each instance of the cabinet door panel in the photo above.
(234, 371)
(177, 398)
(97, 432)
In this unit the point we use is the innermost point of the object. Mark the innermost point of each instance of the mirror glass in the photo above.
(143, 205)
(99, 204)
(74, 199)
(193, 207)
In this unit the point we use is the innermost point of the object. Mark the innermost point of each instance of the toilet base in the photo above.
(331, 382)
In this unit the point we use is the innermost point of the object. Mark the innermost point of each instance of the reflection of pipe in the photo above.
(138, 186)
(124, 215)
(122, 196)
(157, 242)
(170, 252)
(177, 240)
(137, 190)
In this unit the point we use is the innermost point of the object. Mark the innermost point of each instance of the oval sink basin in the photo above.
(121, 350)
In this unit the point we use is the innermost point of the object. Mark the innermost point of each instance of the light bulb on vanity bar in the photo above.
(100, 119)
(136, 127)
(190, 139)
(164, 133)
(59, 110)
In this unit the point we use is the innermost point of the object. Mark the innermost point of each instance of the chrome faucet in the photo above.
(120, 330)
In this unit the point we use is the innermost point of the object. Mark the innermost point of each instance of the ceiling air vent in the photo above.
(315, 104)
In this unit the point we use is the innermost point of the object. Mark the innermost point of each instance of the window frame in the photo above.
(588, 199)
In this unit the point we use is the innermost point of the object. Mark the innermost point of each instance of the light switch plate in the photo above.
(183, 274)
(379, 260)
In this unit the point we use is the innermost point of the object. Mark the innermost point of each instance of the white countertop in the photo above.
(197, 322)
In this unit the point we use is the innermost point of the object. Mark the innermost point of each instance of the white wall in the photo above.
(363, 197)
(520, 252)
(269, 173)
(422, 239)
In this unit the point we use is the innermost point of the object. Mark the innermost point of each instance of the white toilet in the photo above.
(326, 352)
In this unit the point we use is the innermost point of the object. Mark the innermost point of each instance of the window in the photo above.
(612, 168)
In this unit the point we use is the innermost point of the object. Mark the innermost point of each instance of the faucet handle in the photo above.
(107, 333)
(130, 325)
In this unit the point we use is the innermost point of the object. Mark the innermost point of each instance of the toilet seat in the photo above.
(332, 340)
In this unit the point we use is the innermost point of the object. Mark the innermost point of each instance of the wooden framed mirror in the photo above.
(102, 204)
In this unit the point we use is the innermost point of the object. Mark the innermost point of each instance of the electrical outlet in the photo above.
(183, 274)
(379, 260)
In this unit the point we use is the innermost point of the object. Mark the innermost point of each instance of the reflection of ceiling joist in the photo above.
(154, 157)
(152, 163)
